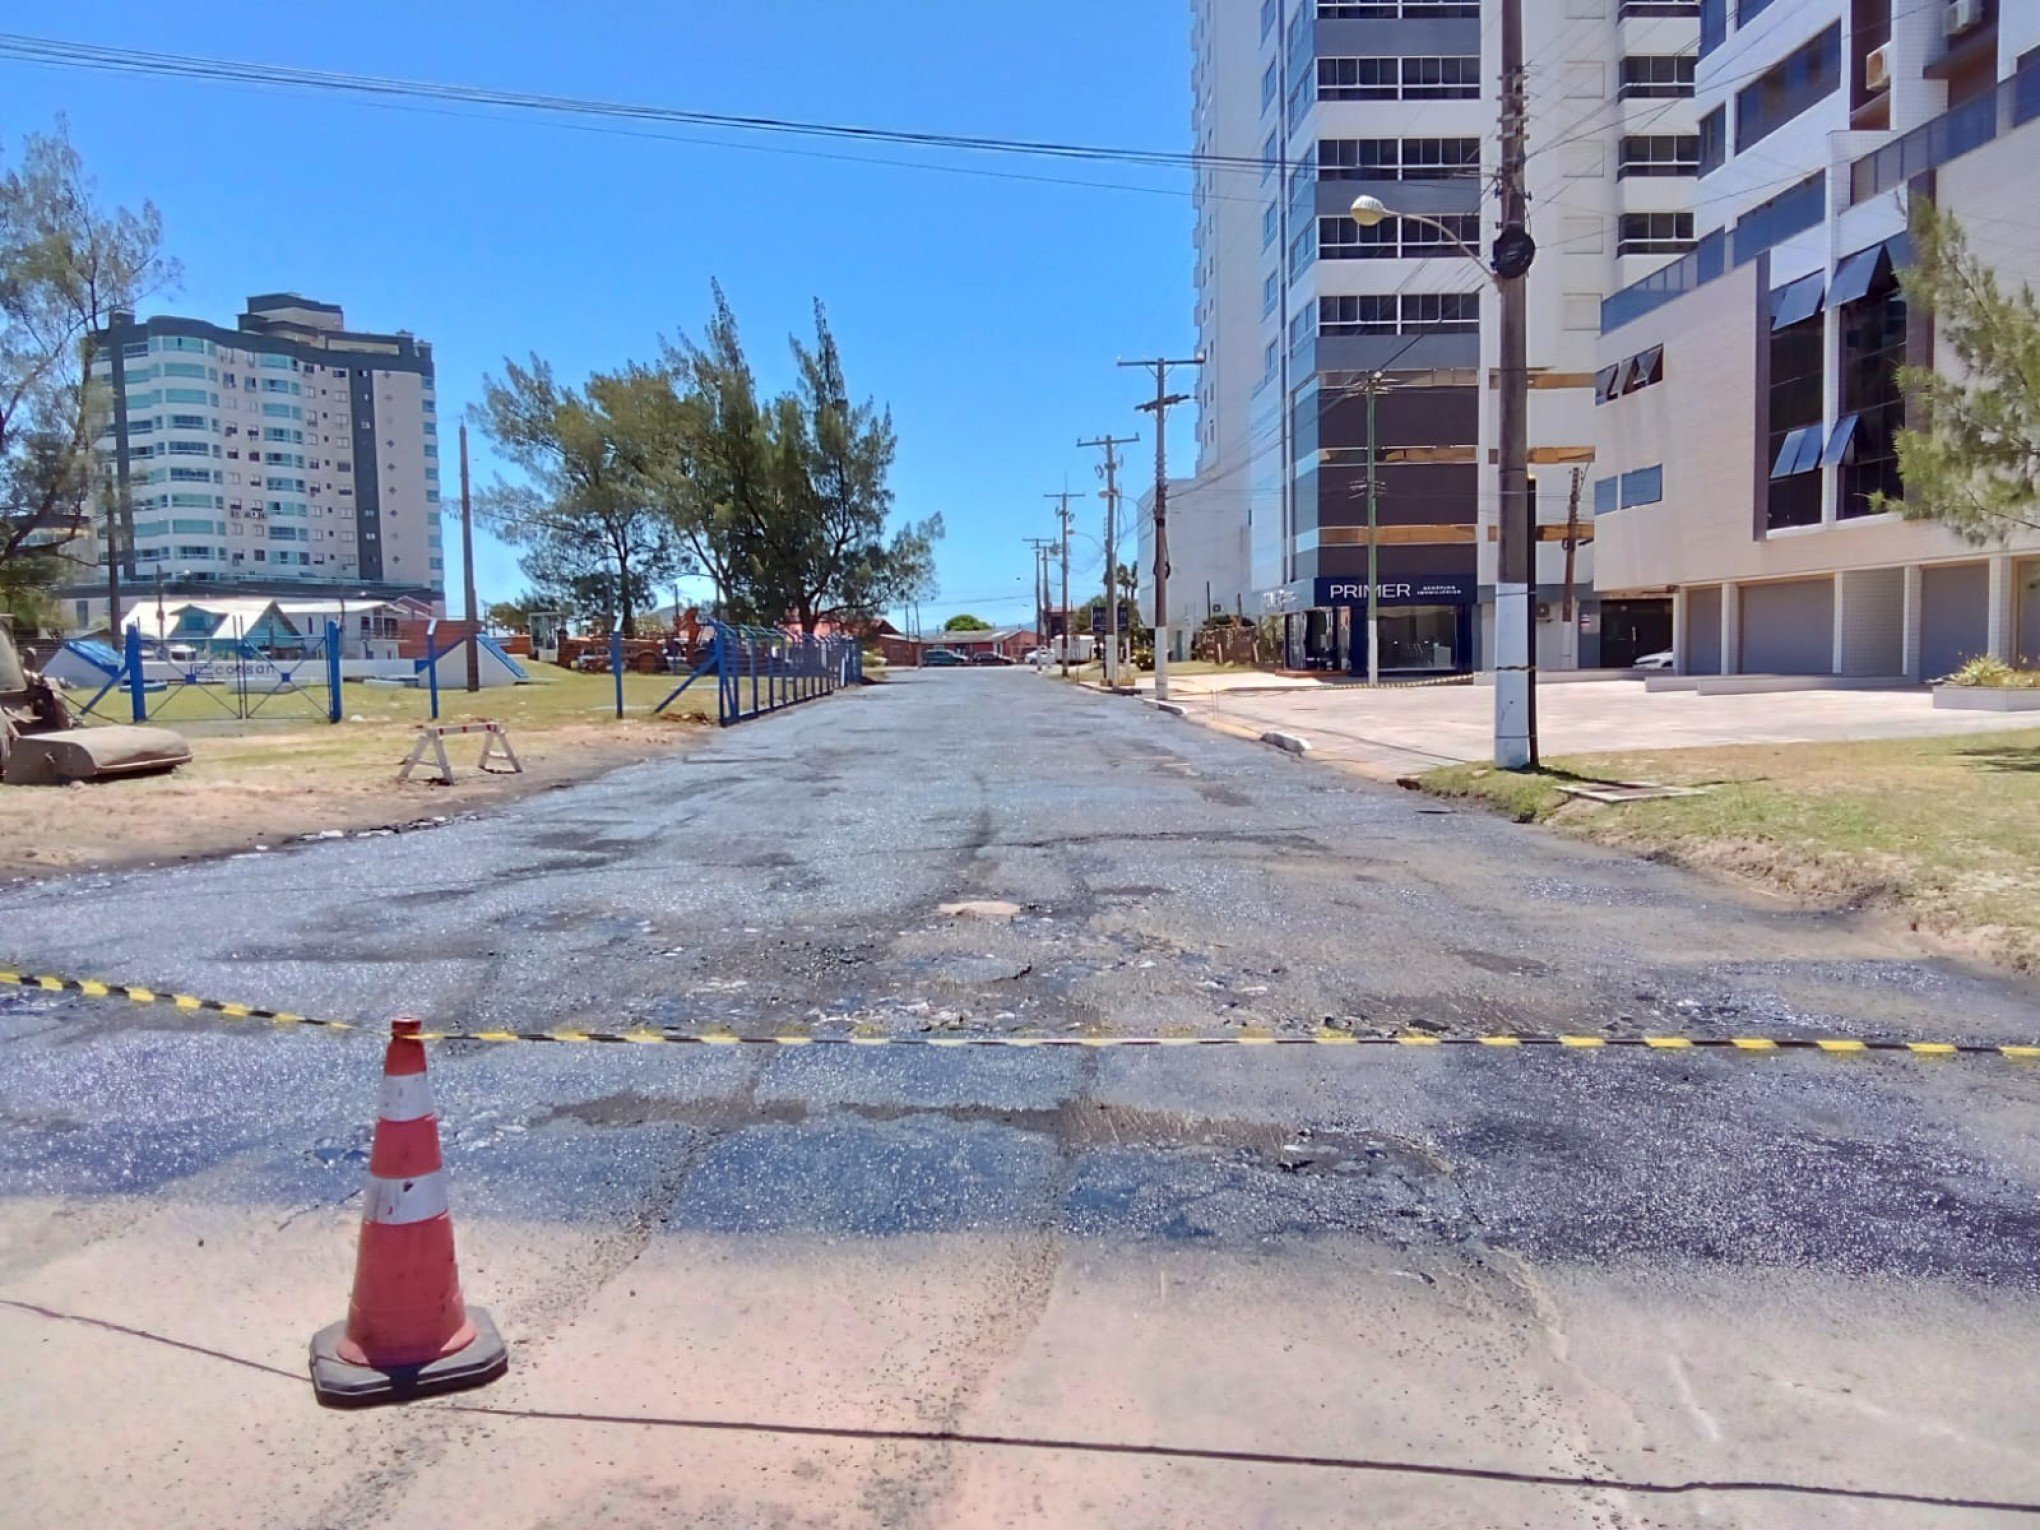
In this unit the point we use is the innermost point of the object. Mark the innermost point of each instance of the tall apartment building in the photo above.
(285, 455)
(1400, 99)
(1750, 390)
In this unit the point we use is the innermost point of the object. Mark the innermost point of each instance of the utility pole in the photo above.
(1063, 514)
(1374, 385)
(1160, 405)
(1111, 472)
(1516, 554)
(1572, 542)
(467, 571)
(1040, 546)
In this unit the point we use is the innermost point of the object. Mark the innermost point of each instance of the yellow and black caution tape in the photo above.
(1833, 1045)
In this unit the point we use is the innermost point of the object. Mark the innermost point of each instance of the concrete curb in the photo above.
(1174, 709)
(1290, 742)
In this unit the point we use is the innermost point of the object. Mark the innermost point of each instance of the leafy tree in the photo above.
(593, 537)
(65, 266)
(963, 621)
(1970, 454)
(785, 503)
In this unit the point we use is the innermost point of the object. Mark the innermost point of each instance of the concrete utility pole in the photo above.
(467, 571)
(1160, 405)
(1516, 554)
(1063, 513)
(1111, 473)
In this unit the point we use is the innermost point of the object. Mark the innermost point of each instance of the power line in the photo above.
(61, 53)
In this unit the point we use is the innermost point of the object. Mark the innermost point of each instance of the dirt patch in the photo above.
(247, 792)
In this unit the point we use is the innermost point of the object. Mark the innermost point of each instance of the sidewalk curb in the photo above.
(1174, 709)
(1290, 742)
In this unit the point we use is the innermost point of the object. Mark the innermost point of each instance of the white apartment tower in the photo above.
(287, 454)
(1400, 99)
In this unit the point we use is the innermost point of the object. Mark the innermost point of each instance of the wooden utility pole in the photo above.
(1572, 542)
(1111, 475)
(1040, 545)
(1160, 405)
(1064, 515)
(467, 572)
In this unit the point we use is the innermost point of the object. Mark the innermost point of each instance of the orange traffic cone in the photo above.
(407, 1331)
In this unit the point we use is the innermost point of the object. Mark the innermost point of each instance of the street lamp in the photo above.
(1516, 554)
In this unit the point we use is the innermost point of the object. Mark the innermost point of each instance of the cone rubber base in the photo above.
(340, 1385)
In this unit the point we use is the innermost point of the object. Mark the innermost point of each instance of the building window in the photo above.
(1645, 486)
(1391, 79)
(1364, 314)
(1747, 11)
(1269, 8)
(1714, 140)
(1271, 79)
(1794, 441)
(1271, 292)
(1630, 8)
(1713, 25)
(1808, 74)
(1659, 154)
(1271, 155)
(1393, 10)
(1647, 75)
(1398, 159)
(1661, 233)
(1786, 214)
(1863, 443)
(1341, 238)
(1441, 313)
(1441, 79)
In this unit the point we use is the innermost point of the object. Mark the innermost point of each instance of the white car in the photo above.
(1662, 660)
(1039, 656)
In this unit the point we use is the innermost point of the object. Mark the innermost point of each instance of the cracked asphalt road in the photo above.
(1426, 1287)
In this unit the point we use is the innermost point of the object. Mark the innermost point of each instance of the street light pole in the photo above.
(1515, 744)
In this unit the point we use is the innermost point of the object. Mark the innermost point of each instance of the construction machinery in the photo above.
(41, 745)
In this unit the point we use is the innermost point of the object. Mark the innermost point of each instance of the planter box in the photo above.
(1985, 698)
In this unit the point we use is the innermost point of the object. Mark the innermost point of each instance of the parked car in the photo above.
(942, 658)
(989, 656)
(1662, 660)
(1039, 656)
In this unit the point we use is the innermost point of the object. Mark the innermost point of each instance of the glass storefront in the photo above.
(1419, 639)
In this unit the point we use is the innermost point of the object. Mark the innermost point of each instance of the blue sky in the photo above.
(987, 309)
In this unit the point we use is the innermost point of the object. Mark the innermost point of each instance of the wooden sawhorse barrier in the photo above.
(433, 736)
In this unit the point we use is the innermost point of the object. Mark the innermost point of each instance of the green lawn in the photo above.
(1946, 831)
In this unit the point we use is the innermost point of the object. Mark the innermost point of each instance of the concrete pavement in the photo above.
(1422, 1286)
(1397, 732)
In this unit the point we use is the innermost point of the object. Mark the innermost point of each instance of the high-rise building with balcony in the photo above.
(287, 454)
(1400, 100)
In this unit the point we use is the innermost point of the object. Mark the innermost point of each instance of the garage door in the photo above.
(1954, 617)
(1703, 630)
(1789, 628)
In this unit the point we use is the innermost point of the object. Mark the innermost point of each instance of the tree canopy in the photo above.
(963, 621)
(683, 467)
(1969, 454)
(65, 266)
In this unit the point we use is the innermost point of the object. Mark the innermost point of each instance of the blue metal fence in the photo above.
(230, 678)
(762, 669)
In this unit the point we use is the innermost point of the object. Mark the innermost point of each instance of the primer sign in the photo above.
(1424, 590)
